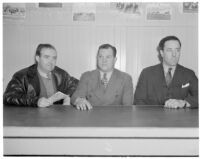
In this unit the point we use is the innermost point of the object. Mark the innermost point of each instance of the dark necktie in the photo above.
(104, 80)
(168, 77)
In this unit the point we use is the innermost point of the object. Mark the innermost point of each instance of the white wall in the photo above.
(136, 39)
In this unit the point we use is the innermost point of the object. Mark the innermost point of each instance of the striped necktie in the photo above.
(168, 77)
(49, 76)
(104, 80)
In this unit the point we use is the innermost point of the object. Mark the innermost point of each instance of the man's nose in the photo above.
(174, 53)
(104, 59)
(51, 61)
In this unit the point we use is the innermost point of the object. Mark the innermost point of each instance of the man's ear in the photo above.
(161, 53)
(37, 58)
(115, 59)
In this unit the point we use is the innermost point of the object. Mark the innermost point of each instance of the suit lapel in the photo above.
(159, 84)
(99, 88)
(113, 82)
(176, 77)
(161, 75)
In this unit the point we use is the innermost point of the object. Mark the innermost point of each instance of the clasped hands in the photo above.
(176, 103)
(45, 102)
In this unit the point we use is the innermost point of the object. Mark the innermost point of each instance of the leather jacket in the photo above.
(24, 87)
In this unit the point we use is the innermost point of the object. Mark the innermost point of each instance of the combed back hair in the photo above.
(167, 38)
(107, 46)
(42, 46)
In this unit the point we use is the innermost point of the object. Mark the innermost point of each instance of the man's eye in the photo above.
(169, 50)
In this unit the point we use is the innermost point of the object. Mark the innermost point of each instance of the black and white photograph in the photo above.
(158, 11)
(100, 79)
(190, 7)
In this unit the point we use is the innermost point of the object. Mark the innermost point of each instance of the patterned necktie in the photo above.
(104, 80)
(168, 77)
(49, 76)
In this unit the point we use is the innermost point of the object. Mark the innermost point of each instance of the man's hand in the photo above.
(175, 103)
(44, 102)
(82, 104)
(66, 100)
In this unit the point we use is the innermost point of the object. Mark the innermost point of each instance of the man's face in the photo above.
(106, 60)
(47, 59)
(171, 52)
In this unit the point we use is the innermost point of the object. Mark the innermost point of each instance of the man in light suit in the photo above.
(168, 83)
(105, 85)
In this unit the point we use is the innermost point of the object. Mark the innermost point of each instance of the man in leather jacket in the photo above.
(41, 84)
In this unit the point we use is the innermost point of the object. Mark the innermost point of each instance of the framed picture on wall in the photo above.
(158, 11)
(128, 8)
(14, 10)
(190, 7)
(84, 11)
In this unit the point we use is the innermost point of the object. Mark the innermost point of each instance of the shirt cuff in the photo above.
(187, 105)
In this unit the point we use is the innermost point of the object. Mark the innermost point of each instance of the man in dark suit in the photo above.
(168, 83)
(41, 84)
(104, 85)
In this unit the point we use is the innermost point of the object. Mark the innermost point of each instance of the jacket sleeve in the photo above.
(16, 93)
(81, 90)
(128, 92)
(141, 92)
(192, 97)
(69, 84)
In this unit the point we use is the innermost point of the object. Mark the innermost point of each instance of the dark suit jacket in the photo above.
(119, 90)
(152, 88)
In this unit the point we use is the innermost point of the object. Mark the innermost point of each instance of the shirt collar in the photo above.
(166, 68)
(45, 75)
(107, 73)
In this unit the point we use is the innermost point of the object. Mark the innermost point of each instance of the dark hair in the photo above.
(42, 46)
(107, 46)
(167, 38)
